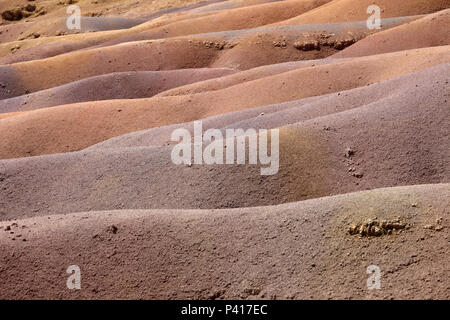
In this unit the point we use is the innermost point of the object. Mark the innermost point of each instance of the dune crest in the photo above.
(225, 149)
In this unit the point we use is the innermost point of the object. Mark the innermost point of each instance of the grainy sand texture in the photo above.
(354, 118)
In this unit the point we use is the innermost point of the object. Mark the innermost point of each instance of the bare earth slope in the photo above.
(411, 150)
(355, 10)
(119, 85)
(359, 140)
(164, 27)
(73, 127)
(407, 88)
(430, 31)
(242, 49)
(299, 250)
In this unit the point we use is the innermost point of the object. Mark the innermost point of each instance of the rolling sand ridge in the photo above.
(87, 175)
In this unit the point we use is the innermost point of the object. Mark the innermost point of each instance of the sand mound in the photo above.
(73, 127)
(168, 26)
(405, 87)
(346, 34)
(121, 85)
(34, 48)
(235, 254)
(57, 26)
(233, 19)
(244, 76)
(360, 178)
(127, 8)
(76, 40)
(314, 158)
(226, 5)
(429, 31)
(355, 10)
(243, 49)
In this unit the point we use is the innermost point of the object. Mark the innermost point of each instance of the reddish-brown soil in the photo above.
(298, 250)
(163, 27)
(118, 85)
(76, 126)
(430, 31)
(87, 179)
(351, 10)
